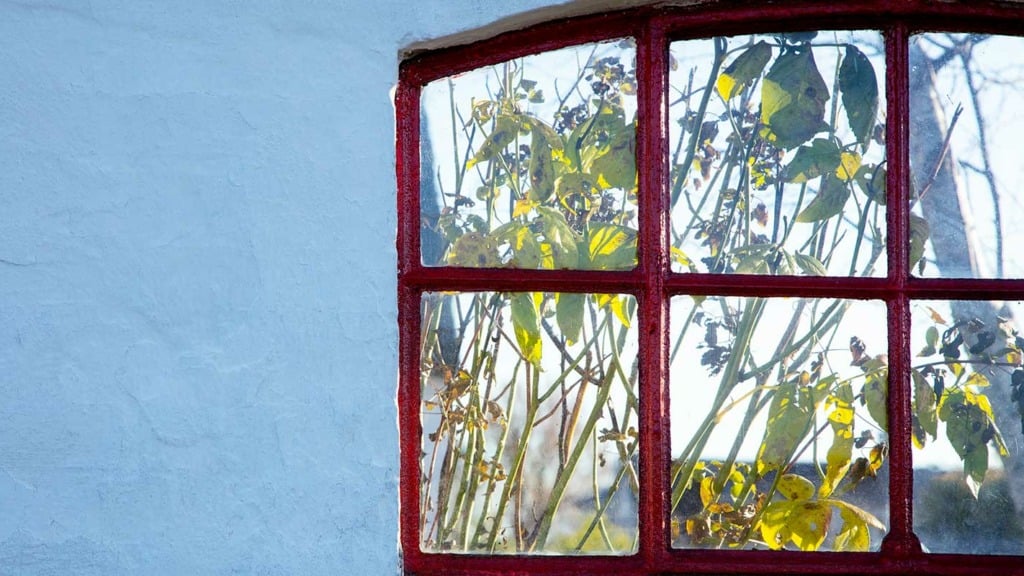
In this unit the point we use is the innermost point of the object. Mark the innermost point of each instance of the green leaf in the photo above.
(506, 127)
(525, 248)
(919, 233)
(975, 468)
(526, 323)
(871, 180)
(810, 265)
(829, 201)
(542, 169)
(611, 247)
(753, 259)
(793, 97)
(616, 168)
(537, 126)
(569, 314)
(924, 407)
(743, 70)
(789, 418)
(859, 88)
(821, 157)
(560, 238)
(876, 391)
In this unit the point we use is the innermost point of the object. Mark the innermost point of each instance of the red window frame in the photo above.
(653, 283)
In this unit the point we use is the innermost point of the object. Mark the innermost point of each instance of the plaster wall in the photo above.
(197, 283)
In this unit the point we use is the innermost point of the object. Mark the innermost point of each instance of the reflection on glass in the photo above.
(531, 163)
(968, 391)
(777, 154)
(966, 175)
(779, 424)
(529, 423)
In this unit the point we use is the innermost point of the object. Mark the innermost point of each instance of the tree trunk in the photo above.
(953, 240)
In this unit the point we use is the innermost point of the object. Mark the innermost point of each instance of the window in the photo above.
(714, 290)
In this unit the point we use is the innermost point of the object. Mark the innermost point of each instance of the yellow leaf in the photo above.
(725, 85)
(848, 166)
(617, 306)
(523, 207)
(773, 99)
(707, 494)
(795, 487)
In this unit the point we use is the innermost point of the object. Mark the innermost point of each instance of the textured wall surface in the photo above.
(197, 283)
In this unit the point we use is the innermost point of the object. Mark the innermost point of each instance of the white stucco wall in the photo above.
(197, 283)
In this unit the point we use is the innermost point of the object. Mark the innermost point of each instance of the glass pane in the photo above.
(777, 154)
(531, 163)
(778, 424)
(968, 402)
(529, 423)
(967, 180)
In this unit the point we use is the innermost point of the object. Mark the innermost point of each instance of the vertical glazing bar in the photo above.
(407, 153)
(652, 73)
(407, 144)
(901, 542)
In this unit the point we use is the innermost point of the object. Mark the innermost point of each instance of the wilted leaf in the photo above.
(854, 535)
(474, 250)
(936, 317)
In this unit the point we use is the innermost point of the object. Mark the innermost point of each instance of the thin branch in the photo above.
(965, 58)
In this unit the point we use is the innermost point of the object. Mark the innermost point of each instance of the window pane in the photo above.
(531, 163)
(778, 423)
(967, 383)
(777, 154)
(966, 195)
(529, 423)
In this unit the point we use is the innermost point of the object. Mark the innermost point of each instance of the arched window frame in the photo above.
(653, 283)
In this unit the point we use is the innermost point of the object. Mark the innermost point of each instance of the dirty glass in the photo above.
(777, 154)
(531, 163)
(529, 415)
(779, 415)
